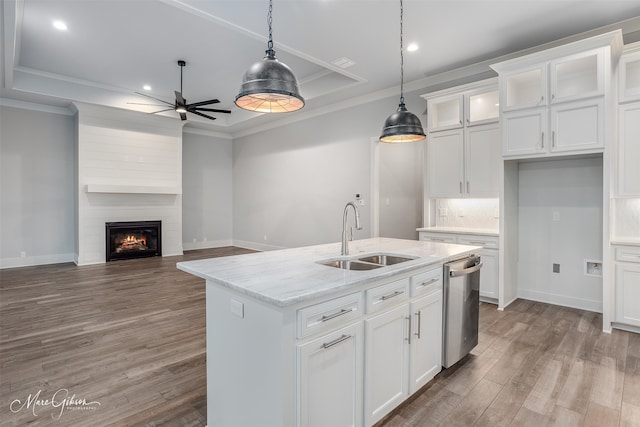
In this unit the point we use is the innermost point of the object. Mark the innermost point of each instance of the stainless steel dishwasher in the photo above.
(461, 308)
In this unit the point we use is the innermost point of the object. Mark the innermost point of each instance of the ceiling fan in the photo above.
(181, 106)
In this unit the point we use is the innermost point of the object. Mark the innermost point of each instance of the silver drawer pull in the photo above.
(334, 315)
(336, 341)
(475, 242)
(418, 315)
(428, 282)
(395, 294)
(433, 239)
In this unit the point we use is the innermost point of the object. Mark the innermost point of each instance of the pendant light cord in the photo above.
(269, 21)
(401, 56)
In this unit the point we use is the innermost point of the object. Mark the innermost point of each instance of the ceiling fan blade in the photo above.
(161, 111)
(179, 99)
(201, 114)
(214, 110)
(157, 99)
(197, 104)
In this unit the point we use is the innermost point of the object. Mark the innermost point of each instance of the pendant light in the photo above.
(402, 126)
(269, 86)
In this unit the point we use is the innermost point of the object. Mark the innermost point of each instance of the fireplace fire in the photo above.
(127, 240)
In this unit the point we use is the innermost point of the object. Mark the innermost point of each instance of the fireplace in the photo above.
(133, 239)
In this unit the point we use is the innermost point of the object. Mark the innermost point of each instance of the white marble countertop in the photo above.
(462, 230)
(289, 276)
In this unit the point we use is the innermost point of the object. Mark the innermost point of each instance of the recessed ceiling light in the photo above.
(146, 87)
(59, 25)
(412, 47)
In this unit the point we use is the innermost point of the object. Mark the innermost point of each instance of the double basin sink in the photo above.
(366, 262)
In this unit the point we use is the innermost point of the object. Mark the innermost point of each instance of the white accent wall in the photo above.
(129, 168)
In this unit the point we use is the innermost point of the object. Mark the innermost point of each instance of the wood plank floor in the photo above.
(130, 335)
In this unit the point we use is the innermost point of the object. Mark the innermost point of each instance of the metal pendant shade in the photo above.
(402, 126)
(269, 86)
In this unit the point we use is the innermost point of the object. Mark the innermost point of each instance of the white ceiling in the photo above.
(113, 47)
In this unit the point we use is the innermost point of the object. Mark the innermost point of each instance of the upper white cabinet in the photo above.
(630, 73)
(628, 179)
(553, 102)
(468, 105)
(463, 152)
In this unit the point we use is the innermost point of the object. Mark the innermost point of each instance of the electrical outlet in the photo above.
(443, 212)
(556, 216)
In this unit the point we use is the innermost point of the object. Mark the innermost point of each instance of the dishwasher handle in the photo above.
(464, 272)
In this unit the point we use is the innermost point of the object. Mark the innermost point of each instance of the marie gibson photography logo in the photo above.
(60, 400)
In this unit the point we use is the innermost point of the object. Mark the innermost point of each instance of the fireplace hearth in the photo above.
(133, 239)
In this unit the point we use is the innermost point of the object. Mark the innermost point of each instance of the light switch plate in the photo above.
(237, 308)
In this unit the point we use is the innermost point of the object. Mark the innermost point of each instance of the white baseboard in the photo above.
(207, 245)
(562, 300)
(256, 246)
(36, 260)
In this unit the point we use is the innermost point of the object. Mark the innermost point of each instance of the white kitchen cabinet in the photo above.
(426, 341)
(386, 362)
(463, 153)
(629, 150)
(403, 341)
(445, 162)
(627, 285)
(331, 379)
(630, 73)
(553, 102)
(489, 254)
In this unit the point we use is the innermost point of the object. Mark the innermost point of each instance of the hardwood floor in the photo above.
(130, 336)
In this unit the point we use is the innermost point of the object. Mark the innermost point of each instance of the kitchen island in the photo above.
(291, 341)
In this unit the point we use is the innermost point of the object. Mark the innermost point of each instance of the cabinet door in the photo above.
(577, 126)
(482, 106)
(482, 159)
(489, 274)
(426, 342)
(630, 77)
(445, 112)
(444, 163)
(629, 150)
(577, 76)
(627, 281)
(330, 379)
(386, 362)
(523, 133)
(525, 88)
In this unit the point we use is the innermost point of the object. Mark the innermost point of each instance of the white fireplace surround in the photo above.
(128, 168)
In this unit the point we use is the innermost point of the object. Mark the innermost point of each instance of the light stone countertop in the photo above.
(462, 230)
(289, 276)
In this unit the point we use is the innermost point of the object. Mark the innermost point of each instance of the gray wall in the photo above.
(291, 183)
(36, 187)
(206, 191)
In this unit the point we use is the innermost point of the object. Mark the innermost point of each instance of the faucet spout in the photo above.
(346, 237)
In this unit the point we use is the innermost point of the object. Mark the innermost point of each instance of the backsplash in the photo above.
(468, 213)
(626, 214)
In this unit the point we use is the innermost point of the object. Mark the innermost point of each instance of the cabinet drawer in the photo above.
(387, 295)
(329, 315)
(425, 283)
(628, 254)
(486, 241)
(437, 237)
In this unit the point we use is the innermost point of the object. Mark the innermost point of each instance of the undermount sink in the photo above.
(384, 259)
(351, 265)
(367, 262)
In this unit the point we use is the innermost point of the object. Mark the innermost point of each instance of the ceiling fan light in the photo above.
(181, 109)
(269, 86)
(402, 126)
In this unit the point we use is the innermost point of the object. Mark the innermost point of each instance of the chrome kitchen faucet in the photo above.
(346, 238)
